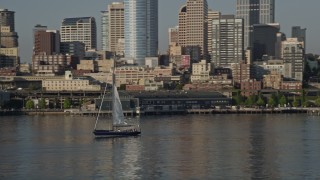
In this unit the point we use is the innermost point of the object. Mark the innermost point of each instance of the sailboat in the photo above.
(119, 126)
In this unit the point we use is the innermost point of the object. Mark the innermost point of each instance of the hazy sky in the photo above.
(51, 12)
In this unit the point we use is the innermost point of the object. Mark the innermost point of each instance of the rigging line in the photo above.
(104, 93)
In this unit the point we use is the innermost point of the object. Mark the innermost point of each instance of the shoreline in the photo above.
(311, 111)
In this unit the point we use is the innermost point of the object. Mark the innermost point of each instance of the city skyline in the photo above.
(286, 15)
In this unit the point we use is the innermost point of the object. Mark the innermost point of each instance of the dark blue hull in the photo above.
(111, 133)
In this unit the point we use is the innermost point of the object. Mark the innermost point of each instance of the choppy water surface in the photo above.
(170, 147)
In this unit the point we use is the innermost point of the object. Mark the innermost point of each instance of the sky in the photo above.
(50, 13)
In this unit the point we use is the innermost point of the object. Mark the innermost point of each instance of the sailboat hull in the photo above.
(111, 133)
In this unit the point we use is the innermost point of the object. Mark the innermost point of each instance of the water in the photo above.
(170, 147)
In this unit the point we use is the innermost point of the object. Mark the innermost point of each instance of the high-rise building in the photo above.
(293, 56)
(300, 33)
(74, 48)
(182, 34)
(173, 35)
(46, 41)
(227, 41)
(105, 30)
(112, 26)
(211, 16)
(9, 52)
(141, 29)
(265, 40)
(255, 12)
(82, 29)
(9, 38)
(280, 37)
(7, 19)
(193, 25)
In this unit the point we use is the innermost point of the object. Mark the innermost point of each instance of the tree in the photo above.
(67, 104)
(29, 104)
(122, 87)
(251, 100)
(261, 101)
(295, 103)
(303, 96)
(42, 103)
(272, 101)
(238, 98)
(317, 101)
(179, 87)
(283, 100)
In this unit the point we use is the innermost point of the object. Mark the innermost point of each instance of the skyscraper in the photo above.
(300, 33)
(193, 25)
(293, 56)
(265, 40)
(141, 29)
(112, 26)
(82, 29)
(211, 16)
(255, 12)
(227, 41)
(9, 52)
(46, 41)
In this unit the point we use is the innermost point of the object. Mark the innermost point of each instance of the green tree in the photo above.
(67, 103)
(283, 100)
(303, 96)
(317, 101)
(272, 101)
(251, 100)
(179, 87)
(261, 101)
(122, 87)
(42, 103)
(295, 102)
(239, 99)
(29, 104)
(307, 104)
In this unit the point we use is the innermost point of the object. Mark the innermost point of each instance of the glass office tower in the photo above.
(255, 12)
(141, 29)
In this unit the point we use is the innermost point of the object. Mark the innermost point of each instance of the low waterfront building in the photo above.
(180, 101)
(132, 74)
(214, 83)
(70, 84)
(250, 87)
(291, 85)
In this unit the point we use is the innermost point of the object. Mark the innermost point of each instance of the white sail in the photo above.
(117, 112)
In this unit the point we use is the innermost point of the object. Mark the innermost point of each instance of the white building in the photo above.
(201, 71)
(152, 62)
(293, 57)
(69, 84)
(81, 29)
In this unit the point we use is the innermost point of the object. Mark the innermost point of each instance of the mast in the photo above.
(104, 93)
